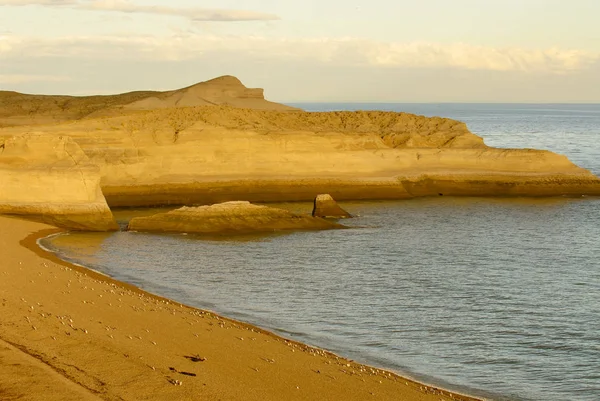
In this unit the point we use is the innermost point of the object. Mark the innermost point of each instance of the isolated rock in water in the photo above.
(326, 206)
(238, 217)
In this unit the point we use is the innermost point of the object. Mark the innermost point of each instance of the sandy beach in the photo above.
(160, 157)
(68, 333)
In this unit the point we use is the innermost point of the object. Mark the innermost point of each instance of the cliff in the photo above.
(50, 179)
(229, 218)
(222, 152)
(213, 154)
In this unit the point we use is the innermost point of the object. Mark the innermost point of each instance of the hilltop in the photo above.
(26, 109)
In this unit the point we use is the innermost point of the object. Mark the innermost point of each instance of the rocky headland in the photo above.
(50, 179)
(219, 141)
(229, 218)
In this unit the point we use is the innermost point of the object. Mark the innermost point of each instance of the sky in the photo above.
(310, 50)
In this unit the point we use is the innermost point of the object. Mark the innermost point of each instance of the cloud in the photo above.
(126, 6)
(472, 57)
(37, 2)
(195, 14)
(21, 78)
(325, 51)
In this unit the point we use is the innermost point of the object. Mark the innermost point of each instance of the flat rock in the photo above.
(238, 217)
(326, 206)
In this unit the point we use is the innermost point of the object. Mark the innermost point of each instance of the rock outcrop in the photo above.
(50, 179)
(214, 154)
(221, 151)
(229, 218)
(325, 206)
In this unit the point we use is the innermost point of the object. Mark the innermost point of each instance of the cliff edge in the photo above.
(202, 145)
(50, 179)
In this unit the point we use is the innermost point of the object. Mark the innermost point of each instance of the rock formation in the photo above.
(49, 178)
(325, 206)
(226, 149)
(212, 154)
(229, 218)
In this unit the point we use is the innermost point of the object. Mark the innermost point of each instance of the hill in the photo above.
(25, 109)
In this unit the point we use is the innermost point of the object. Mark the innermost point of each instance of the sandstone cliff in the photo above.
(49, 178)
(229, 218)
(210, 154)
(214, 154)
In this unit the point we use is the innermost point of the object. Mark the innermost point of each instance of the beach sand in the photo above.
(68, 333)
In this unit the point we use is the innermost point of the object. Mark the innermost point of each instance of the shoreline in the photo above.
(342, 377)
(274, 332)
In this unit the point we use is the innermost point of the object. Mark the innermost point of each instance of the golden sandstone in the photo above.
(66, 160)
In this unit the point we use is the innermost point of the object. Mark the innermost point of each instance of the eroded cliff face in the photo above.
(214, 154)
(50, 178)
(219, 141)
(396, 130)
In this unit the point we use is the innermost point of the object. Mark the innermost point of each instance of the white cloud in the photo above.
(20, 79)
(37, 2)
(342, 52)
(195, 14)
(472, 57)
(126, 6)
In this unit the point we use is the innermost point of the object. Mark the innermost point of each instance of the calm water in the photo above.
(499, 298)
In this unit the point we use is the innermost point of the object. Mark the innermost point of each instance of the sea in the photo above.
(496, 298)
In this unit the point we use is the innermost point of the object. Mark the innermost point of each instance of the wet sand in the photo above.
(69, 333)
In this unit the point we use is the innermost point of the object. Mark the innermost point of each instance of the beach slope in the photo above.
(70, 333)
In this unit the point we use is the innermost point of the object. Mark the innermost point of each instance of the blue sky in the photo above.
(328, 50)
